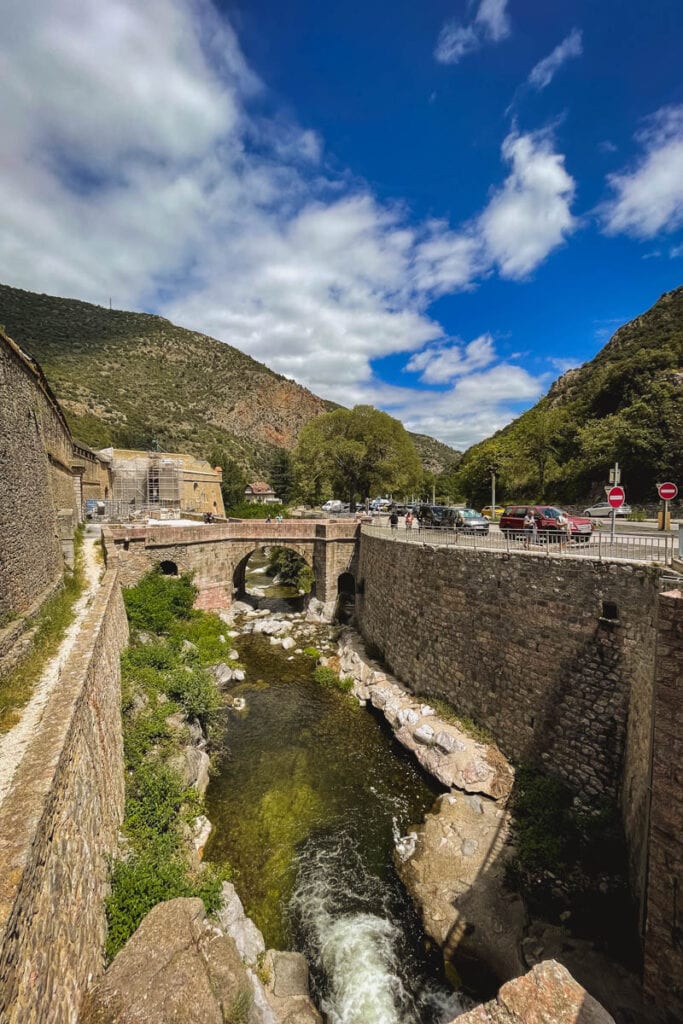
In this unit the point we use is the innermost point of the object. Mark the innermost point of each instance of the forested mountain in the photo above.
(625, 404)
(138, 381)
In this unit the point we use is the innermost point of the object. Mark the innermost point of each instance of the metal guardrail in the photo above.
(627, 547)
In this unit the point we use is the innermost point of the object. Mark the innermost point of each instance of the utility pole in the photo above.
(492, 471)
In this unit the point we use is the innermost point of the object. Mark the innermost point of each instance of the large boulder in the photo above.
(235, 923)
(546, 995)
(444, 750)
(287, 988)
(176, 967)
(453, 865)
(192, 764)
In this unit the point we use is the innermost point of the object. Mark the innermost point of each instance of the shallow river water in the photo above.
(310, 795)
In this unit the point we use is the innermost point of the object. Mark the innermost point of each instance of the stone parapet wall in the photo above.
(58, 826)
(664, 930)
(530, 649)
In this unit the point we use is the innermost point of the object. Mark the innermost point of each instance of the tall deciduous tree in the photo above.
(234, 479)
(281, 475)
(355, 453)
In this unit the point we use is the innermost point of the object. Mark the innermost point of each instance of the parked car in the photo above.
(436, 517)
(333, 506)
(470, 521)
(603, 508)
(493, 513)
(381, 504)
(549, 520)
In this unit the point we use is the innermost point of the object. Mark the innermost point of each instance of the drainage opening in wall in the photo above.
(610, 612)
(168, 569)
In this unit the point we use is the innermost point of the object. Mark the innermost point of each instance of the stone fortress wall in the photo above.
(556, 657)
(58, 826)
(36, 483)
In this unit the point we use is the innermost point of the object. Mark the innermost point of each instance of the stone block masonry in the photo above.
(664, 931)
(553, 656)
(35, 468)
(58, 826)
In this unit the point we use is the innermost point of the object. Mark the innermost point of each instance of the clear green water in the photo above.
(310, 796)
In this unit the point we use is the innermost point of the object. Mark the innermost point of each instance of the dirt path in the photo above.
(13, 744)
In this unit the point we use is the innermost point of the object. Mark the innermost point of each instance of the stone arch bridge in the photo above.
(217, 553)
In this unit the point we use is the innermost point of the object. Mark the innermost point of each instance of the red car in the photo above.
(548, 518)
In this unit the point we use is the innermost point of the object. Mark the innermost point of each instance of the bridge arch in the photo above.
(239, 572)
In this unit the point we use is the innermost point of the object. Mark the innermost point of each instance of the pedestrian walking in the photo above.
(409, 520)
(529, 528)
(393, 520)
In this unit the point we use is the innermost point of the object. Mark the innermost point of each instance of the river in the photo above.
(311, 793)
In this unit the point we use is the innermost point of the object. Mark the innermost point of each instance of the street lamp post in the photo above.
(492, 471)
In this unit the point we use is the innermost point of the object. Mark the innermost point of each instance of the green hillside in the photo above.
(625, 404)
(138, 381)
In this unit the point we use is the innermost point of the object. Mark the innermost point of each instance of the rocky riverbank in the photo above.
(453, 863)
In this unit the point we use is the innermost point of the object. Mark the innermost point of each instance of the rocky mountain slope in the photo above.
(625, 404)
(136, 380)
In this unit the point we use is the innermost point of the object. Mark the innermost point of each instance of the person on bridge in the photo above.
(393, 520)
(409, 520)
(530, 529)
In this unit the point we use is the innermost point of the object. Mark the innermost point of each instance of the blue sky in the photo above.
(435, 208)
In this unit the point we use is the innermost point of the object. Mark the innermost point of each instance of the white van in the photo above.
(333, 506)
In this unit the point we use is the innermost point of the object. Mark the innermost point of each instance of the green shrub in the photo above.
(158, 679)
(545, 827)
(327, 677)
(157, 601)
(195, 691)
(137, 885)
(146, 729)
(312, 652)
(157, 655)
(155, 795)
(256, 510)
(203, 629)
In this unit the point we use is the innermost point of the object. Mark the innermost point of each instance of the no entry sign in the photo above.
(667, 492)
(616, 497)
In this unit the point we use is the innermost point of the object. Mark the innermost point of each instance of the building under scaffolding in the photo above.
(146, 480)
(163, 480)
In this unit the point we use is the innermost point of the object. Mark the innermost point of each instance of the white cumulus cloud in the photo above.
(143, 161)
(443, 362)
(648, 197)
(544, 72)
(531, 214)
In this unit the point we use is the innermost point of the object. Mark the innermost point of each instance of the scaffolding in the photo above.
(146, 480)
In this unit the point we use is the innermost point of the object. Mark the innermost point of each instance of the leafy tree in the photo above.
(540, 436)
(354, 453)
(281, 475)
(234, 479)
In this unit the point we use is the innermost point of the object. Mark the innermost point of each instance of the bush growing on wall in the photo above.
(160, 677)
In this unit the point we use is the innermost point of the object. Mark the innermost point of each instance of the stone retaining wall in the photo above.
(664, 931)
(553, 656)
(58, 825)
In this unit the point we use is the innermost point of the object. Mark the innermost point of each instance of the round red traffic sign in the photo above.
(667, 492)
(616, 497)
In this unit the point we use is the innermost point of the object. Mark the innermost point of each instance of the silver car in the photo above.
(603, 508)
